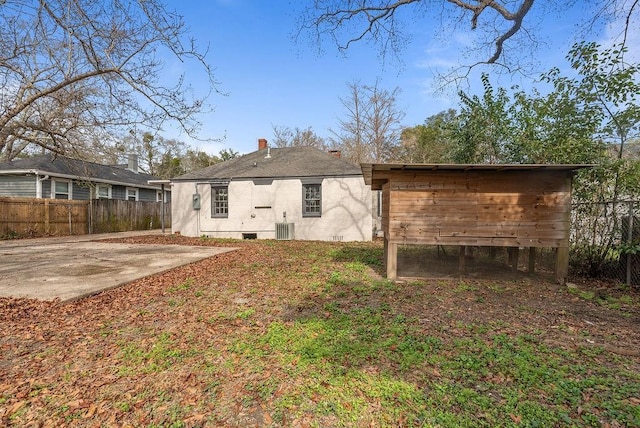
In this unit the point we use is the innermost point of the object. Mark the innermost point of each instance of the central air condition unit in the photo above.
(285, 231)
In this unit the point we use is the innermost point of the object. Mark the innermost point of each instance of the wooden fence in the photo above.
(111, 215)
(26, 217)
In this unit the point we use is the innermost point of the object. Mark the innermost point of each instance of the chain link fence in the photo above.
(492, 263)
(605, 240)
(604, 244)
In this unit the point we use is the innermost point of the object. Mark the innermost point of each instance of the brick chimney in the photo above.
(262, 143)
(335, 153)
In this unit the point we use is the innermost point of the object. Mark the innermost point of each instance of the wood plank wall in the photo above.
(485, 208)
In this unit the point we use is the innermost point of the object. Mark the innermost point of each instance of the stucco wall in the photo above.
(256, 208)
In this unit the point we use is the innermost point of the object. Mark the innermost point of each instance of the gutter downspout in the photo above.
(39, 184)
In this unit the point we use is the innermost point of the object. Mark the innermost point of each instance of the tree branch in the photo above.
(82, 67)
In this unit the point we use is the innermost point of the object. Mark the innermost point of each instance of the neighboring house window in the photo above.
(220, 201)
(61, 190)
(103, 191)
(311, 200)
(132, 194)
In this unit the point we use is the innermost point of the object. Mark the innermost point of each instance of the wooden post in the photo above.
(70, 219)
(90, 216)
(391, 259)
(162, 208)
(562, 264)
(515, 257)
(492, 253)
(562, 254)
(532, 259)
(47, 226)
(462, 260)
(629, 257)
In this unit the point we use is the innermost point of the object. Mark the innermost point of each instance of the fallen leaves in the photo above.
(158, 351)
(14, 408)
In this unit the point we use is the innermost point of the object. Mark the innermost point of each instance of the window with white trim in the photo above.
(132, 194)
(61, 189)
(219, 201)
(312, 199)
(103, 191)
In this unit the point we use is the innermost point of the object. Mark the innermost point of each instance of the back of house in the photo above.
(275, 193)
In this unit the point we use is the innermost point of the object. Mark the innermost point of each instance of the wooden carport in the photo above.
(475, 205)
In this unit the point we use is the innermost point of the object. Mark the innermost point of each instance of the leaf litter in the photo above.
(186, 348)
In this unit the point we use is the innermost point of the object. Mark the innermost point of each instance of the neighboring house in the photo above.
(282, 193)
(58, 177)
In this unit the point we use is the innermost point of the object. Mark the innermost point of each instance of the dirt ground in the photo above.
(66, 353)
(532, 300)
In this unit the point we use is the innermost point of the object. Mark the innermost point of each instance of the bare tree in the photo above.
(501, 35)
(383, 122)
(73, 68)
(283, 136)
(370, 129)
(350, 137)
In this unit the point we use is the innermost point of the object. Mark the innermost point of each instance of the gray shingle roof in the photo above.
(63, 166)
(283, 163)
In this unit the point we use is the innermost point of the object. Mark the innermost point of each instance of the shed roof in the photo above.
(374, 172)
(276, 163)
(61, 166)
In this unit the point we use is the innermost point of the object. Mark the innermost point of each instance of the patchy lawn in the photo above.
(308, 334)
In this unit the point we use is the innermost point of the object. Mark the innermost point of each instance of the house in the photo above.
(512, 206)
(58, 177)
(281, 193)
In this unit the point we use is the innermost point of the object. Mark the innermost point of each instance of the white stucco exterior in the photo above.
(256, 208)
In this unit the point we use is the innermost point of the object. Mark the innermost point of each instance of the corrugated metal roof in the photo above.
(276, 163)
(369, 170)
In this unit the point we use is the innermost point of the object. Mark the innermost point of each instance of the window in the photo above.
(103, 191)
(220, 201)
(132, 194)
(61, 190)
(311, 200)
(159, 196)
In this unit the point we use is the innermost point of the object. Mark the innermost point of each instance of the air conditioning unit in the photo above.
(285, 231)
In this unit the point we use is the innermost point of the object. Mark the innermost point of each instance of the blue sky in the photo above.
(269, 79)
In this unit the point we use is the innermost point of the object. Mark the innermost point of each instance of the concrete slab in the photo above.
(73, 267)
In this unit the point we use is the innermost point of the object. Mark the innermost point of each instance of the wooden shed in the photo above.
(488, 205)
